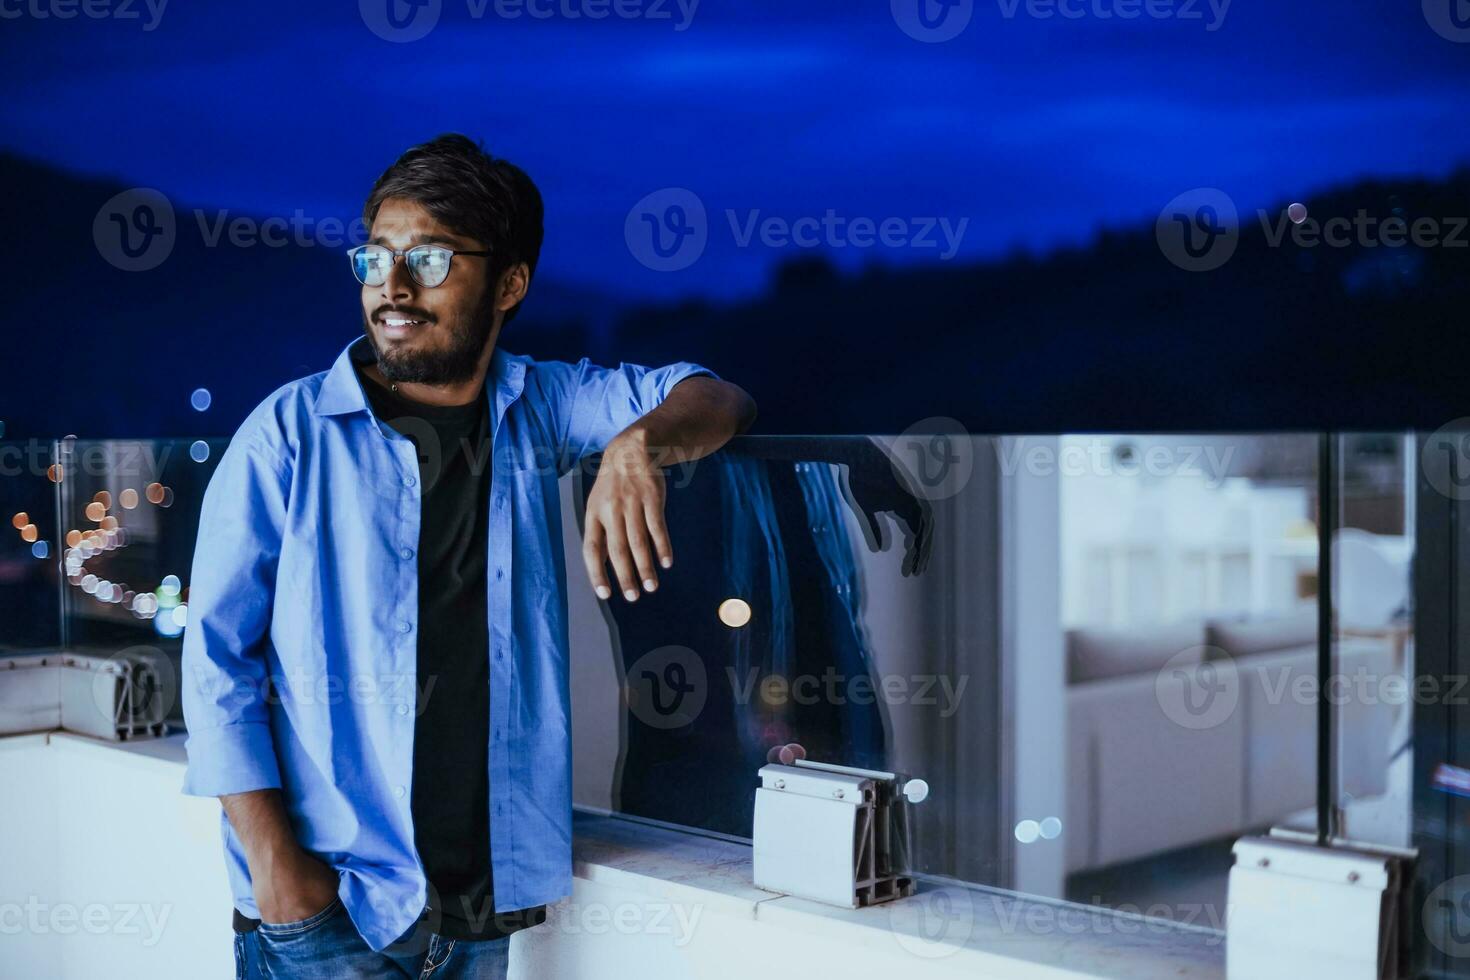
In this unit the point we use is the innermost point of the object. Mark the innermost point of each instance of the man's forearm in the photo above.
(625, 510)
(699, 416)
(289, 882)
(260, 821)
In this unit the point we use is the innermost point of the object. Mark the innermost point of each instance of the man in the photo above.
(376, 662)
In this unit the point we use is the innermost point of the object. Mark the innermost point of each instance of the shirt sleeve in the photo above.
(231, 593)
(596, 403)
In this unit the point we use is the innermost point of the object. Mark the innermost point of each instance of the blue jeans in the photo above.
(327, 946)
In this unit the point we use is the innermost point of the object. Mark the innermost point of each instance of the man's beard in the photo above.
(449, 363)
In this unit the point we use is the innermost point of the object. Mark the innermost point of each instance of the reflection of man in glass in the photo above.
(768, 528)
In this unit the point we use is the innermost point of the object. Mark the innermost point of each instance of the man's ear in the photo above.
(512, 287)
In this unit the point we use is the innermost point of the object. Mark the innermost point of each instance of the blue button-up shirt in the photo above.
(300, 657)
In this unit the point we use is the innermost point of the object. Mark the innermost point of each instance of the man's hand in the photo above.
(876, 485)
(290, 884)
(625, 519)
(294, 887)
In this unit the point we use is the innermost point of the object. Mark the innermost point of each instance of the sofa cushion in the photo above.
(1097, 654)
(1243, 637)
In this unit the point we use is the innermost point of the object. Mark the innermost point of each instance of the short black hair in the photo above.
(473, 194)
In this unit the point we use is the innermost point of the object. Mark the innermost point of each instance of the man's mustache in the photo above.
(410, 312)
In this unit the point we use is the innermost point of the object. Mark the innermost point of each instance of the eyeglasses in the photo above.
(427, 264)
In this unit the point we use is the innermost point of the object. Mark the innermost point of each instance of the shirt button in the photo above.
(399, 792)
(499, 573)
(404, 626)
(406, 554)
(403, 709)
(409, 481)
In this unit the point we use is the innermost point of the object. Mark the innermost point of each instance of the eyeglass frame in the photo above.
(402, 253)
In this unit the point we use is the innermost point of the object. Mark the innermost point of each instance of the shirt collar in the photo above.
(341, 390)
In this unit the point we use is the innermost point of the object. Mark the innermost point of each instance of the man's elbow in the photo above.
(744, 409)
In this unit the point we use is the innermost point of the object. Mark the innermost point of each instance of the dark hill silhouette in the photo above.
(98, 351)
(1109, 337)
(1113, 337)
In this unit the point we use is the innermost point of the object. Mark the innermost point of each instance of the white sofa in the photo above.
(1142, 778)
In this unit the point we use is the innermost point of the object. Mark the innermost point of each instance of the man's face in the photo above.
(427, 335)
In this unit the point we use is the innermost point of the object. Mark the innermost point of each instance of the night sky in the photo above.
(1038, 131)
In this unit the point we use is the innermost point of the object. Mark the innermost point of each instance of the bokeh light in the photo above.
(165, 626)
(200, 399)
(199, 451)
(128, 498)
(41, 549)
(734, 613)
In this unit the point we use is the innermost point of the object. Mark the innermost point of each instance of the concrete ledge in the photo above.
(654, 902)
(947, 929)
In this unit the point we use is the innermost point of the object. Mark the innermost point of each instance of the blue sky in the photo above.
(1035, 131)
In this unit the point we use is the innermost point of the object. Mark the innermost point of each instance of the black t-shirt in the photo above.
(451, 784)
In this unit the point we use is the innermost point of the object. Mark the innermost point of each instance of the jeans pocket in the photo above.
(284, 930)
(239, 956)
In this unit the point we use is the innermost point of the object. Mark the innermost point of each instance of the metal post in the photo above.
(1326, 524)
